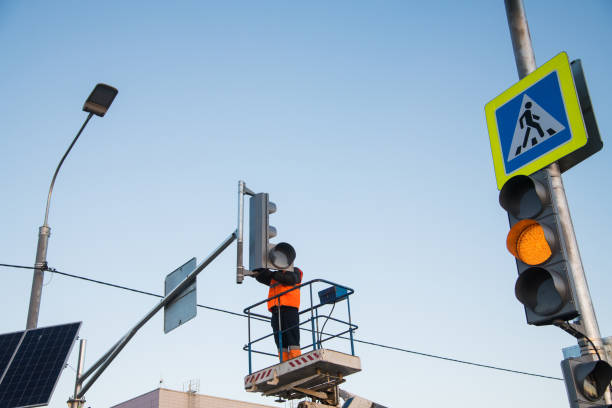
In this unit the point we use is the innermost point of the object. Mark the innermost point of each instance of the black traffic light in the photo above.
(262, 253)
(536, 241)
(586, 381)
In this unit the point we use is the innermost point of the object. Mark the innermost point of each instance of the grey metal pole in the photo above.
(521, 39)
(79, 373)
(37, 281)
(240, 270)
(43, 240)
(578, 277)
(81, 363)
(105, 361)
(239, 233)
(75, 401)
(525, 64)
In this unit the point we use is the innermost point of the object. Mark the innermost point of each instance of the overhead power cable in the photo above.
(454, 360)
(112, 285)
(457, 361)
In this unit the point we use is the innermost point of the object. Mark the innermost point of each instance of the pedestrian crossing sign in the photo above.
(535, 122)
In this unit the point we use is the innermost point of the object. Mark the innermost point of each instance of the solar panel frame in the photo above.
(35, 368)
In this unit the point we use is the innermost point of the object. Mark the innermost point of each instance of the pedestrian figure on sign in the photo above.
(530, 120)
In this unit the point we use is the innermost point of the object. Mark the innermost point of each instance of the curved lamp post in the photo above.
(97, 103)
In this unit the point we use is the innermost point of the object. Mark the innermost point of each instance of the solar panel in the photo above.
(8, 345)
(32, 374)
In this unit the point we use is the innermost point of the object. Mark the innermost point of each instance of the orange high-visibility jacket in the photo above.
(288, 299)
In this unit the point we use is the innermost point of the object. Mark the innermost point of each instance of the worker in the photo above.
(284, 309)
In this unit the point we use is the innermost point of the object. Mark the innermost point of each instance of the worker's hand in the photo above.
(263, 275)
(254, 273)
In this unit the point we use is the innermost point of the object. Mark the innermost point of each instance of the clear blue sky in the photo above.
(365, 123)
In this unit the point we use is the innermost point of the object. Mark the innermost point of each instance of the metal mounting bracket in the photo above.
(574, 329)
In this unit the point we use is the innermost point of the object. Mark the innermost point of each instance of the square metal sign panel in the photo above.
(184, 307)
(535, 122)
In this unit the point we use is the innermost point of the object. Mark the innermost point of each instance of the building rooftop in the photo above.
(165, 398)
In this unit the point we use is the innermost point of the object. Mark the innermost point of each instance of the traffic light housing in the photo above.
(262, 253)
(536, 241)
(586, 381)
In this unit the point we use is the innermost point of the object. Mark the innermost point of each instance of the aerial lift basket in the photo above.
(317, 372)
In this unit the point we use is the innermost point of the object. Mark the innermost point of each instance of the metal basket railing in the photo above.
(310, 323)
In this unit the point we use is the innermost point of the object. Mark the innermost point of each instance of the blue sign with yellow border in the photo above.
(536, 121)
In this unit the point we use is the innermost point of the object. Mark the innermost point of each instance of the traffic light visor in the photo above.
(545, 292)
(282, 255)
(531, 242)
(523, 197)
(593, 378)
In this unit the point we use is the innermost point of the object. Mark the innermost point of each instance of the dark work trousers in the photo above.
(289, 320)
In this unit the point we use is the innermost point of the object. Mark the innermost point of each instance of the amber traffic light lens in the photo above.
(532, 247)
(528, 242)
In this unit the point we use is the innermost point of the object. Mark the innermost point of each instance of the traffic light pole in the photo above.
(525, 64)
(577, 276)
(98, 367)
(240, 271)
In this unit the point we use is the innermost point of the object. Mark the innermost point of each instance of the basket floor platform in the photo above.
(314, 372)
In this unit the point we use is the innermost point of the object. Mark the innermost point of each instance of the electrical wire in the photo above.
(325, 322)
(18, 266)
(243, 315)
(456, 360)
(112, 285)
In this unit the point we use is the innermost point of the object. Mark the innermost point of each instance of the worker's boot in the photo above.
(286, 356)
(293, 353)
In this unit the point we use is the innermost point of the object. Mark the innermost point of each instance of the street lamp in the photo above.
(97, 103)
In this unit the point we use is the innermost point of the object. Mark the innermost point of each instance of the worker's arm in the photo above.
(284, 277)
(263, 276)
(287, 277)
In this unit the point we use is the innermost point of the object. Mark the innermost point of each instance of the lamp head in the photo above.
(100, 99)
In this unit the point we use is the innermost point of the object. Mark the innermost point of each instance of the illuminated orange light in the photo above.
(532, 247)
(527, 241)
